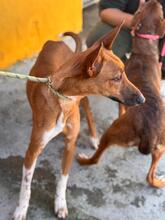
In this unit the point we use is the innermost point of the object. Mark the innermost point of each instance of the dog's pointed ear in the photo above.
(94, 68)
(161, 28)
(114, 35)
(109, 39)
(92, 60)
(93, 57)
(136, 22)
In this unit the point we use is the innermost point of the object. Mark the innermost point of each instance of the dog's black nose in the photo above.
(140, 99)
(134, 100)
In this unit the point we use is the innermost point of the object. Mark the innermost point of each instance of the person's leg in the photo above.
(122, 44)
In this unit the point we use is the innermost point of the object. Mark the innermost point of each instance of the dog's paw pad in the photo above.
(62, 213)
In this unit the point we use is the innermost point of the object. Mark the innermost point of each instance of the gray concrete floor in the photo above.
(115, 189)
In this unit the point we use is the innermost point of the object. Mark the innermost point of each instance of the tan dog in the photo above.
(142, 125)
(97, 71)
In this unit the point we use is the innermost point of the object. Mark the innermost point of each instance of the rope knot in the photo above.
(55, 92)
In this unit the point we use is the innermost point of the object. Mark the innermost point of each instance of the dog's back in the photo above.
(53, 55)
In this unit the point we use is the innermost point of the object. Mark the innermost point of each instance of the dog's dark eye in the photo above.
(117, 78)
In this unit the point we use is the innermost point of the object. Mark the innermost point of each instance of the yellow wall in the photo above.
(26, 24)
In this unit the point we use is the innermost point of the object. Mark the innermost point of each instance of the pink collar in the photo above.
(153, 37)
(148, 36)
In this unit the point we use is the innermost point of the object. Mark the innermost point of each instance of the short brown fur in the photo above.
(142, 125)
(93, 72)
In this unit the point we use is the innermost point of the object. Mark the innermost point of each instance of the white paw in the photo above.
(82, 156)
(20, 213)
(94, 142)
(161, 178)
(60, 207)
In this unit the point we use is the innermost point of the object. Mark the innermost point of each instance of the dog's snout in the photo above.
(135, 99)
(140, 99)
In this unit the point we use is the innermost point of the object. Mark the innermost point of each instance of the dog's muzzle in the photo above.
(134, 100)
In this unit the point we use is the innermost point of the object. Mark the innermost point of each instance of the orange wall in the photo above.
(27, 24)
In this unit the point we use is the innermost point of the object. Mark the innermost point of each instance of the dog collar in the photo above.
(148, 36)
(154, 37)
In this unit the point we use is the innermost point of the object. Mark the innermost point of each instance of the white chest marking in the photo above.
(73, 98)
(48, 135)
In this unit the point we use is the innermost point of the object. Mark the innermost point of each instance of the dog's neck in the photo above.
(78, 87)
(71, 82)
(146, 47)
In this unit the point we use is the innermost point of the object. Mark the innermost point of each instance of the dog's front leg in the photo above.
(71, 132)
(39, 139)
(85, 160)
(154, 180)
(119, 133)
(28, 169)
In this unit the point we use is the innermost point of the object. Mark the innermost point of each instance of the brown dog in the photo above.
(142, 125)
(75, 75)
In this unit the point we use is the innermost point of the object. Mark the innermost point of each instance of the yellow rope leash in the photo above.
(34, 79)
(24, 77)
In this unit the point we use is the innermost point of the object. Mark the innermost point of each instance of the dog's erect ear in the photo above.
(110, 37)
(114, 34)
(92, 60)
(94, 68)
(161, 28)
(136, 22)
(89, 63)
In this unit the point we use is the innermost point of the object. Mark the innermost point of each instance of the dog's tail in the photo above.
(77, 39)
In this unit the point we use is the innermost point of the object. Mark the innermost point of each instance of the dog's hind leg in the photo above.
(120, 133)
(91, 122)
(71, 132)
(153, 180)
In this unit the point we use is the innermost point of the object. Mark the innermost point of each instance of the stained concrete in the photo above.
(115, 189)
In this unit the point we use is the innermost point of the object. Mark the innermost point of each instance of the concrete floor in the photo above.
(115, 189)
